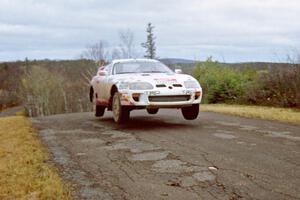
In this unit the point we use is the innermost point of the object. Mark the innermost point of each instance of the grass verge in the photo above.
(261, 112)
(24, 173)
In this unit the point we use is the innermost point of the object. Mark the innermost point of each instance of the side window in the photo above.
(108, 68)
(114, 68)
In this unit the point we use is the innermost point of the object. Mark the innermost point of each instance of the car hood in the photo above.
(153, 78)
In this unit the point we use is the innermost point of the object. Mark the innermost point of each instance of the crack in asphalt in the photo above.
(65, 159)
(234, 195)
(251, 179)
(120, 167)
(216, 183)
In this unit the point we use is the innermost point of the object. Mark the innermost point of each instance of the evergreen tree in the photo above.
(149, 45)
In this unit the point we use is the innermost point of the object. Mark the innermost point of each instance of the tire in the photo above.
(99, 111)
(91, 94)
(152, 111)
(191, 112)
(121, 114)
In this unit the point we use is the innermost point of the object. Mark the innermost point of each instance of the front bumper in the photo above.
(166, 98)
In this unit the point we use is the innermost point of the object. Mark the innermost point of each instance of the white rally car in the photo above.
(128, 84)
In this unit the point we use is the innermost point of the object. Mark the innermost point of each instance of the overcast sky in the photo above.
(228, 30)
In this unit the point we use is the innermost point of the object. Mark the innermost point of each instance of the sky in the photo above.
(227, 30)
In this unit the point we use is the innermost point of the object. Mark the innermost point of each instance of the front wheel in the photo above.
(191, 112)
(120, 113)
(99, 111)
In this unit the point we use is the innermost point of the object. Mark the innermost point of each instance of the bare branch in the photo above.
(96, 52)
(127, 43)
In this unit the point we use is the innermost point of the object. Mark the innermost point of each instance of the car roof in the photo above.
(133, 60)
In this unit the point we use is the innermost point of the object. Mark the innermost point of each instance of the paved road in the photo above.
(165, 157)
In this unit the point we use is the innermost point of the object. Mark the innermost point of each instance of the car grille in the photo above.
(161, 85)
(177, 85)
(172, 98)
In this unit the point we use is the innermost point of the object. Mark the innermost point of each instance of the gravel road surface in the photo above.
(164, 156)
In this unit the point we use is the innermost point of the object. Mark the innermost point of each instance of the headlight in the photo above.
(140, 86)
(191, 84)
(123, 86)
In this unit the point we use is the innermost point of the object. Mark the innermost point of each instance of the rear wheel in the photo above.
(91, 94)
(100, 111)
(152, 111)
(120, 113)
(191, 112)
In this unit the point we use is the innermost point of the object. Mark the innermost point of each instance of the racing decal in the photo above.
(165, 80)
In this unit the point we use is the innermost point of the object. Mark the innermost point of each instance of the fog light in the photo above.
(136, 96)
(197, 94)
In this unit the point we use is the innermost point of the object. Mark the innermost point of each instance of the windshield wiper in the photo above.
(141, 72)
(126, 72)
(153, 72)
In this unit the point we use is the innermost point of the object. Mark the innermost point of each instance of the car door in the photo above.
(99, 84)
(107, 82)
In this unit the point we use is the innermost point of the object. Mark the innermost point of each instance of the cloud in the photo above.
(231, 29)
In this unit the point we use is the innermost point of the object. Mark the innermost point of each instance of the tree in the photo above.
(149, 45)
(127, 43)
(116, 54)
(43, 92)
(96, 52)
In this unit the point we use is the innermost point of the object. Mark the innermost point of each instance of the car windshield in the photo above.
(140, 67)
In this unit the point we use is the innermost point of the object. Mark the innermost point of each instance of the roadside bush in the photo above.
(222, 84)
(279, 86)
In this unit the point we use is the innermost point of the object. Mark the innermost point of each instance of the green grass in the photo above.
(261, 112)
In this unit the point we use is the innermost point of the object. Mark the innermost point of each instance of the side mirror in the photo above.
(178, 71)
(102, 73)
